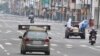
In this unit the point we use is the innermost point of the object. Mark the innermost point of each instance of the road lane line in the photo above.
(68, 46)
(53, 44)
(4, 49)
(9, 26)
(8, 31)
(20, 32)
(8, 53)
(16, 39)
(52, 49)
(8, 43)
(83, 45)
(65, 55)
(2, 46)
(94, 49)
(97, 46)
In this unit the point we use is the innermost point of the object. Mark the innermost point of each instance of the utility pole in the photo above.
(98, 14)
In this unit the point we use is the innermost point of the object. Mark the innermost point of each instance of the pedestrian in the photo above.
(83, 25)
(91, 22)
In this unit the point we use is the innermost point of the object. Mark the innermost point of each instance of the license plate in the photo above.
(37, 42)
(93, 39)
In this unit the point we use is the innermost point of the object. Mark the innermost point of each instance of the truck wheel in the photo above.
(47, 53)
(82, 36)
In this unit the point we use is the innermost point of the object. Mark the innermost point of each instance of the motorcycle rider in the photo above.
(93, 31)
(31, 17)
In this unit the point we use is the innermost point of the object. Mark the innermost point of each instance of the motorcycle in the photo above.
(93, 39)
(31, 20)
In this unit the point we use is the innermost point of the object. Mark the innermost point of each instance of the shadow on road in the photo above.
(37, 54)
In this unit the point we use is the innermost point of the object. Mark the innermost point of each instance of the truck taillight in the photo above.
(27, 40)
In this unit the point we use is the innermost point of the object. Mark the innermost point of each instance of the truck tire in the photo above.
(47, 53)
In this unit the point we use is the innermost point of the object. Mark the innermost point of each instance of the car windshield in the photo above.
(37, 35)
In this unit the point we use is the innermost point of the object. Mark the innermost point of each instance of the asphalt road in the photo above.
(10, 43)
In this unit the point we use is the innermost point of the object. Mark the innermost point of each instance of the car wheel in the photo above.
(47, 53)
(23, 52)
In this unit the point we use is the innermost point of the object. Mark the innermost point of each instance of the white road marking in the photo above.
(52, 49)
(94, 49)
(65, 55)
(8, 43)
(53, 44)
(8, 53)
(68, 46)
(20, 32)
(97, 46)
(8, 31)
(83, 45)
(2, 46)
(16, 39)
(58, 52)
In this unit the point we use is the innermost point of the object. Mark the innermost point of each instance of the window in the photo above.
(37, 35)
